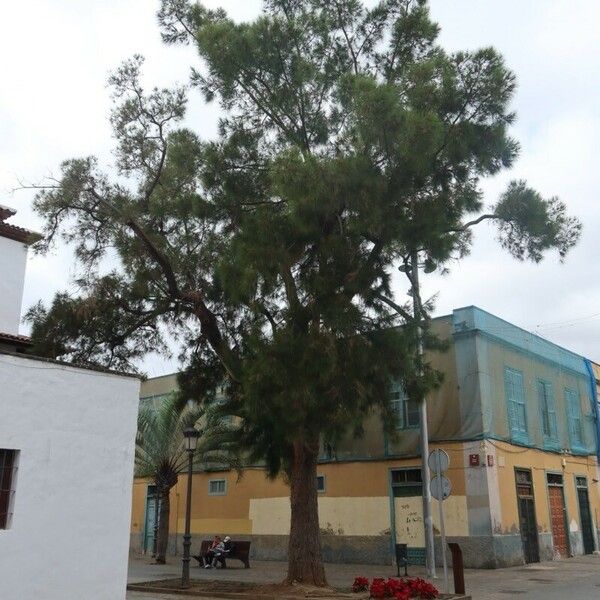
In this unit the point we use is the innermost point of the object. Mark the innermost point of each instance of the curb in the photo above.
(144, 587)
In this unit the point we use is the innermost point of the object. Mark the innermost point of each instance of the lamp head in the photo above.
(190, 438)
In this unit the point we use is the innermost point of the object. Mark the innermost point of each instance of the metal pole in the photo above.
(176, 547)
(156, 503)
(187, 538)
(442, 525)
(424, 441)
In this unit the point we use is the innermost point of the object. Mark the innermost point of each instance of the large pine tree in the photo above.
(350, 144)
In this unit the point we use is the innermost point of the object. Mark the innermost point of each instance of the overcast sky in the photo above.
(56, 56)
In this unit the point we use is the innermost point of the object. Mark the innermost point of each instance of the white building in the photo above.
(66, 460)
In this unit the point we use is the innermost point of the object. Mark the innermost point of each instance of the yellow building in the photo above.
(516, 414)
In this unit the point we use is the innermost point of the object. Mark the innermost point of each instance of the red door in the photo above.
(557, 517)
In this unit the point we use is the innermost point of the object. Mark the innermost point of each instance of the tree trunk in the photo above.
(305, 560)
(163, 526)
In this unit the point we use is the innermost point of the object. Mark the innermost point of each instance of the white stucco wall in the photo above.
(75, 430)
(13, 258)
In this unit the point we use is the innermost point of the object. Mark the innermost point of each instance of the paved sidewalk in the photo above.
(338, 575)
(574, 578)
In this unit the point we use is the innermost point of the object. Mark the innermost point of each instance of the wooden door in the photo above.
(527, 521)
(528, 530)
(557, 518)
(585, 515)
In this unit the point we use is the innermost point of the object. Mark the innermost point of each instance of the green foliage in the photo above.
(160, 452)
(107, 325)
(529, 224)
(350, 144)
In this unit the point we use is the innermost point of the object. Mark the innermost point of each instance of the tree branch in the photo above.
(401, 311)
(476, 221)
(290, 289)
(210, 329)
(158, 257)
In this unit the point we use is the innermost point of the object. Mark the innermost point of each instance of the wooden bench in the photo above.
(240, 551)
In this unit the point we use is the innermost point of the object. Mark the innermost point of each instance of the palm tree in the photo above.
(160, 452)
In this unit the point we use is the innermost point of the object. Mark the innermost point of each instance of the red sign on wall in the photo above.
(473, 460)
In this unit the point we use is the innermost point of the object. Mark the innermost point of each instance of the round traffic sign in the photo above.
(442, 457)
(440, 487)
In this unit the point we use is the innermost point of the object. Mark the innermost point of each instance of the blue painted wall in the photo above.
(505, 376)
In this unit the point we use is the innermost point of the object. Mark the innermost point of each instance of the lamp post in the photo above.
(412, 271)
(190, 437)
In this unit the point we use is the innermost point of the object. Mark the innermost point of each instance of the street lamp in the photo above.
(412, 272)
(190, 438)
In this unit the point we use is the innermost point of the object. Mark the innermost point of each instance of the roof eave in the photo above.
(19, 234)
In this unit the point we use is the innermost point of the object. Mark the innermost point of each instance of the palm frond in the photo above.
(160, 452)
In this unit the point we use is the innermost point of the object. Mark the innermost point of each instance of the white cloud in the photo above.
(553, 49)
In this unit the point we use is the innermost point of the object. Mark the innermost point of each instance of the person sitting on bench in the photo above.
(221, 554)
(216, 546)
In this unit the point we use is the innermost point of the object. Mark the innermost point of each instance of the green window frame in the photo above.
(407, 482)
(406, 411)
(514, 392)
(574, 419)
(548, 421)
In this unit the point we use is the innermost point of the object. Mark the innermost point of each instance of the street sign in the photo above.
(441, 487)
(438, 460)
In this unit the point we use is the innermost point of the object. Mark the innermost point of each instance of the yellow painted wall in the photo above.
(340, 516)
(356, 500)
(158, 386)
(409, 519)
(140, 487)
(509, 457)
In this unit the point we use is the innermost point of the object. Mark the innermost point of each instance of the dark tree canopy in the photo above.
(350, 144)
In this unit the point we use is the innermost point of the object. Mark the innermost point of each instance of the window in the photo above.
(524, 483)
(153, 402)
(321, 483)
(554, 479)
(574, 419)
(515, 401)
(217, 487)
(329, 451)
(406, 411)
(407, 482)
(547, 414)
(8, 471)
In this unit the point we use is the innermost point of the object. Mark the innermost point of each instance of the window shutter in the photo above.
(574, 418)
(552, 413)
(406, 413)
(548, 413)
(515, 401)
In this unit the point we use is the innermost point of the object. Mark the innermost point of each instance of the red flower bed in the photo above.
(361, 584)
(397, 589)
